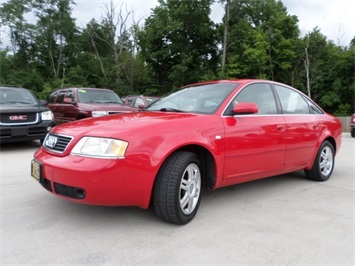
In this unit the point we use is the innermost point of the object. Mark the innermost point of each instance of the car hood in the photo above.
(22, 108)
(107, 107)
(127, 126)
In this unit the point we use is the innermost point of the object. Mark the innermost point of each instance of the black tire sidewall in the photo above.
(166, 201)
(320, 176)
(182, 216)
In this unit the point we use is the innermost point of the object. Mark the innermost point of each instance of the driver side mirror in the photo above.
(245, 108)
(68, 100)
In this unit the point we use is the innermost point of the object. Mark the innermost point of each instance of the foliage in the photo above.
(176, 45)
(177, 42)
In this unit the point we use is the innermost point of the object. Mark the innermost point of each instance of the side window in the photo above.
(51, 97)
(129, 101)
(261, 94)
(61, 96)
(70, 94)
(291, 101)
(314, 108)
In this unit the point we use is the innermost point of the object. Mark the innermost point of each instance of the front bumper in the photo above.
(25, 132)
(95, 181)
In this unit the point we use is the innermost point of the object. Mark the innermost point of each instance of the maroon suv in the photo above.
(352, 126)
(71, 104)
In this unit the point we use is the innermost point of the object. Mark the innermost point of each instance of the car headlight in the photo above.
(48, 115)
(100, 147)
(99, 113)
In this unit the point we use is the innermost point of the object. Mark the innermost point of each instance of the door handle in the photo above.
(316, 126)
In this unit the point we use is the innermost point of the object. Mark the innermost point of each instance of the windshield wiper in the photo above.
(109, 102)
(169, 109)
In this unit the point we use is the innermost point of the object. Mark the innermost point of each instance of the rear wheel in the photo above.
(323, 164)
(177, 191)
(353, 132)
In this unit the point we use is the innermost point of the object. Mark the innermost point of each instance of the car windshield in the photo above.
(150, 99)
(98, 96)
(10, 96)
(204, 99)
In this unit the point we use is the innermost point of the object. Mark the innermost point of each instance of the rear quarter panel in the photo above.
(331, 130)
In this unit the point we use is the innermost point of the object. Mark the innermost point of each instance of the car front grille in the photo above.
(56, 143)
(19, 118)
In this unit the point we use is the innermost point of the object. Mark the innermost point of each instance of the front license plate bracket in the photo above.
(36, 170)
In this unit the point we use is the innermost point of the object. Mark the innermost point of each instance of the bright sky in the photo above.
(335, 18)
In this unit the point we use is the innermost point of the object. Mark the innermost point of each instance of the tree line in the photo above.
(176, 45)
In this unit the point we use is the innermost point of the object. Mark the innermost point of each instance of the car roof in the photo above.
(82, 88)
(244, 81)
(11, 87)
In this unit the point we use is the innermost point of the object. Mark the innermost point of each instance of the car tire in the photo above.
(178, 187)
(323, 164)
(353, 132)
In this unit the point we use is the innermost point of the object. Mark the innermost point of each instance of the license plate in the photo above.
(19, 131)
(36, 170)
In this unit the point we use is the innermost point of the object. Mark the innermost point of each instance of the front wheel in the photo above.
(353, 132)
(323, 164)
(177, 191)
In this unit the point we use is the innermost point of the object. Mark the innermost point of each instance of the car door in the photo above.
(255, 143)
(51, 99)
(57, 107)
(69, 110)
(302, 127)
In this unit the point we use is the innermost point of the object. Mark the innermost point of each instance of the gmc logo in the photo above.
(18, 117)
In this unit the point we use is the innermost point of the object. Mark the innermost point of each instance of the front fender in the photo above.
(148, 153)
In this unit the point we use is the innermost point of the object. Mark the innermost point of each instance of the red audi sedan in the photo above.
(212, 134)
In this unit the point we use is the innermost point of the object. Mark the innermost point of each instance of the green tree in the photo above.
(330, 73)
(56, 33)
(179, 42)
(262, 40)
(21, 33)
(111, 43)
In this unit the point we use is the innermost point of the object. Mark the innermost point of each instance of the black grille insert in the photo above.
(47, 184)
(70, 192)
(56, 143)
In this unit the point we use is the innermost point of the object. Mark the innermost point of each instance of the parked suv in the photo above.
(22, 116)
(352, 126)
(77, 103)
